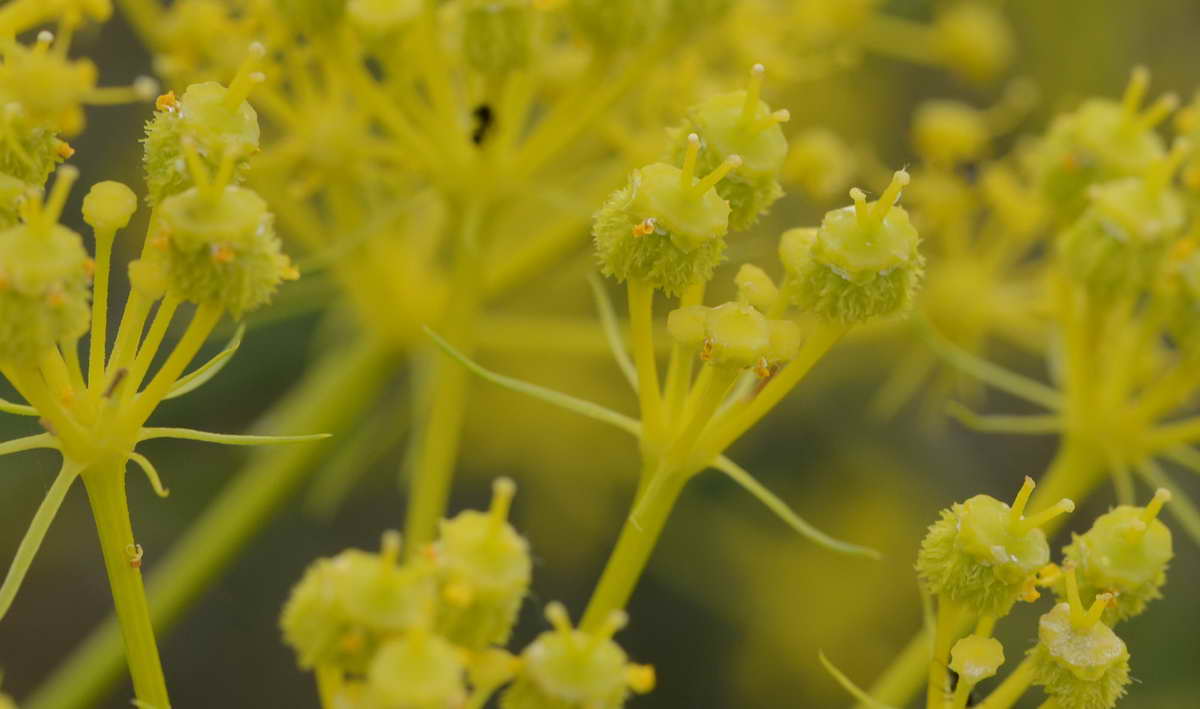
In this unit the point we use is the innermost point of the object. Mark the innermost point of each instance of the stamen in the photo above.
(503, 490)
(67, 174)
(860, 206)
(1161, 497)
(556, 613)
(1018, 505)
(389, 547)
(1162, 171)
(731, 163)
(247, 76)
(753, 93)
(1062, 507)
(887, 200)
(224, 171)
(195, 166)
(1097, 610)
(1157, 113)
(1077, 613)
(781, 116)
(688, 175)
(615, 621)
(1135, 91)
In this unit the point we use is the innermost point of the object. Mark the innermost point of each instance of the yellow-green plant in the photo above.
(1118, 306)
(210, 244)
(429, 157)
(983, 555)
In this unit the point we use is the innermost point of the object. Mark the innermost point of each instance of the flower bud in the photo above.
(734, 335)
(1119, 243)
(218, 121)
(950, 132)
(974, 40)
(45, 278)
(419, 670)
(483, 573)
(108, 206)
(571, 669)
(1125, 554)
(663, 228)
(976, 658)
(1102, 140)
(220, 248)
(756, 287)
(1079, 660)
(982, 553)
(344, 607)
(862, 263)
(497, 35)
(619, 24)
(740, 124)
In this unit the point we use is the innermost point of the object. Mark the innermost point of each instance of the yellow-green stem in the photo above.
(946, 632)
(431, 467)
(105, 485)
(1074, 473)
(639, 535)
(641, 332)
(737, 420)
(99, 330)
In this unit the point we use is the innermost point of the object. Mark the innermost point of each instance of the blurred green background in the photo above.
(734, 608)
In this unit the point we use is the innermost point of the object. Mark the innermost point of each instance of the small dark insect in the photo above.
(972, 698)
(483, 123)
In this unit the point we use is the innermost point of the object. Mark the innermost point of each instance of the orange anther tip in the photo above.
(64, 150)
(166, 102)
(645, 228)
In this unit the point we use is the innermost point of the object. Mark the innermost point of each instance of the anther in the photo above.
(166, 102)
(135, 553)
(641, 678)
(222, 253)
(145, 88)
(645, 228)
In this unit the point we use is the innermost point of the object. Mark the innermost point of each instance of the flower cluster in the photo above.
(984, 555)
(427, 633)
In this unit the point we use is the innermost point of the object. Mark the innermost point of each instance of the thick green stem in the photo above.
(431, 467)
(106, 491)
(638, 537)
(336, 393)
(950, 620)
